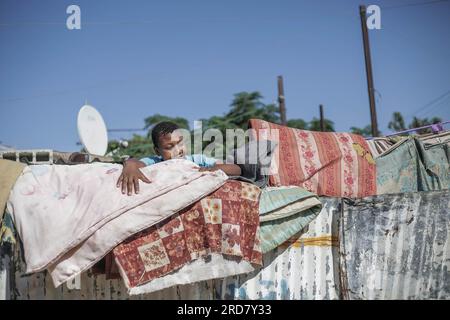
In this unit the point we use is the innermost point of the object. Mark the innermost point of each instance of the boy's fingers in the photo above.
(144, 178)
(136, 186)
(124, 185)
(130, 186)
(119, 180)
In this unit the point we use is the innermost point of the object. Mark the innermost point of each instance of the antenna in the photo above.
(92, 130)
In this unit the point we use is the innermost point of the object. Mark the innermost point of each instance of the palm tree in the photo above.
(417, 122)
(298, 124)
(248, 105)
(314, 125)
(397, 123)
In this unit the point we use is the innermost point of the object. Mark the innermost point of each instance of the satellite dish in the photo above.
(92, 130)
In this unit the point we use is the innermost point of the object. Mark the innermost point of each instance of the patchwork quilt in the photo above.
(215, 237)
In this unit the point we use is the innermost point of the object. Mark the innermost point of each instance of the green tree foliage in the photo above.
(248, 105)
(366, 131)
(152, 120)
(314, 125)
(298, 123)
(416, 123)
(397, 123)
(245, 106)
(138, 147)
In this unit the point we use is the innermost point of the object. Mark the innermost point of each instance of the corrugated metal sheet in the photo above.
(397, 246)
(4, 277)
(39, 286)
(303, 269)
(385, 247)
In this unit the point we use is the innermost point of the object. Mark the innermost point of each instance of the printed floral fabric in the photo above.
(225, 222)
(325, 163)
(7, 230)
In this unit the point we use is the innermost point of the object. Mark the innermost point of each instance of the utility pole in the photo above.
(322, 122)
(281, 100)
(370, 86)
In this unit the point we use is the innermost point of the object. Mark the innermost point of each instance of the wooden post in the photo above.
(281, 101)
(370, 85)
(322, 120)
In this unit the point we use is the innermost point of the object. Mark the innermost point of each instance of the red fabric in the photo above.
(224, 222)
(326, 163)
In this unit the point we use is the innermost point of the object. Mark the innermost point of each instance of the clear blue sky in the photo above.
(132, 59)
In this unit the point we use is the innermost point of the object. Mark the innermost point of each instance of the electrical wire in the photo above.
(412, 4)
(430, 104)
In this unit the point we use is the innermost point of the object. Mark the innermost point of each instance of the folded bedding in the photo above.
(69, 217)
(216, 237)
(285, 211)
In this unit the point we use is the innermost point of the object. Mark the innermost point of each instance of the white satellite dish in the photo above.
(92, 130)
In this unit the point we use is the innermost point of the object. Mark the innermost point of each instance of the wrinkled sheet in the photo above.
(218, 236)
(69, 217)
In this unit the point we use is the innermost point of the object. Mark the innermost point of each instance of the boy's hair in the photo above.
(161, 129)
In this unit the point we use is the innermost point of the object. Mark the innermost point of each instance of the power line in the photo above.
(430, 104)
(30, 23)
(126, 130)
(437, 106)
(144, 22)
(413, 4)
(99, 84)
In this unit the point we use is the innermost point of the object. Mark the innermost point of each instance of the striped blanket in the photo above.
(325, 163)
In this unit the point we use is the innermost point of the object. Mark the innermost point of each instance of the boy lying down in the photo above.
(168, 145)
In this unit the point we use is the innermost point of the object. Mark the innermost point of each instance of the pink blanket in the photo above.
(69, 217)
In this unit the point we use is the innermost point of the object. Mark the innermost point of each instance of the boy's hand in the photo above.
(130, 176)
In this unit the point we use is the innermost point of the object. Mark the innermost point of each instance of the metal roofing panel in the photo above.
(397, 246)
(303, 268)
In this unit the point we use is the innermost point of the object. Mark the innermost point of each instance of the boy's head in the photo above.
(167, 141)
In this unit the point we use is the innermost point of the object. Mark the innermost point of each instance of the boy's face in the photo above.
(171, 146)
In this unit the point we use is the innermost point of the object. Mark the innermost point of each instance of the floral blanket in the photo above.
(325, 163)
(222, 228)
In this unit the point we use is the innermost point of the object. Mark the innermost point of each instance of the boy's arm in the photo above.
(211, 164)
(229, 169)
(131, 175)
